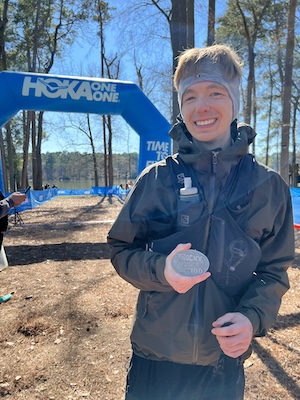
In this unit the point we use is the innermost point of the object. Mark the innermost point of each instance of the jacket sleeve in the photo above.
(145, 215)
(5, 207)
(262, 300)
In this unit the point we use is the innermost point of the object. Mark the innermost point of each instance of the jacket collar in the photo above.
(192, 152)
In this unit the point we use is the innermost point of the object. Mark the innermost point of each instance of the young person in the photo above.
(191, 334)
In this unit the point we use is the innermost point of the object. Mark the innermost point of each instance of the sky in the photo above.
(83, 56)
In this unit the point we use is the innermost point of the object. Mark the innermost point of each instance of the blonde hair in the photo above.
(190, 61)
(217, 63)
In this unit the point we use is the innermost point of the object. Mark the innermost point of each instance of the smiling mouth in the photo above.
(206, 122)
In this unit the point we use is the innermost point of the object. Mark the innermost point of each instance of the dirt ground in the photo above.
(64, 335)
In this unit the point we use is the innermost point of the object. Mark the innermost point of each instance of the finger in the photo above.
(184, 283)
(202, 277)
(226, 330)
(178, 248)
(224, 320)
(182, 246)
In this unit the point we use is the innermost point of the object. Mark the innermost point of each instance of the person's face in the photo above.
(207, 112)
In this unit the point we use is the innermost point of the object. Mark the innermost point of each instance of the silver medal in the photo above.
(190, 263)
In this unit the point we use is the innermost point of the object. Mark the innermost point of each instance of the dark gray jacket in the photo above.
(177, 327)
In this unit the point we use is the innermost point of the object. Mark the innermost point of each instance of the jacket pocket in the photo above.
(233, 255)
(142, 304)
(196, 234)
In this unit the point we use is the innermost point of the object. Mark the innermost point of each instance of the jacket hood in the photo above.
(190, 149)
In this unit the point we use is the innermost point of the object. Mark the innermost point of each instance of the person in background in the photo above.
(6, 203)
(192, 333)
(13, 200)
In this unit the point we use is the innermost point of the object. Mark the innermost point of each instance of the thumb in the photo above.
(224, 319)
(202, 277)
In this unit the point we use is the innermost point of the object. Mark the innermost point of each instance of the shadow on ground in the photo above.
(26, 255)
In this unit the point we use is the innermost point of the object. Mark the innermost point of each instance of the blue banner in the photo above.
(295, 194)
(45, 92)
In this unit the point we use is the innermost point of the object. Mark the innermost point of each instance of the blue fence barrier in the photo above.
(295, 194)
(35, 198)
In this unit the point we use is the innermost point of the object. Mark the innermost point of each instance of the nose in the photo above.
(202, 104)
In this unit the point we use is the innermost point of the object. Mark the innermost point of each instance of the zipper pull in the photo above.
(214, 161)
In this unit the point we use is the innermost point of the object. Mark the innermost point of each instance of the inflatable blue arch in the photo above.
(44, 92)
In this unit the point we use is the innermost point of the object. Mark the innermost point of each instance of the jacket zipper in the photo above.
(210, 207)
(212, 182)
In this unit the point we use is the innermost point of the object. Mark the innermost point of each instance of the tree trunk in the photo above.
(10, 158)
(105, 158)
(31, 122)
(4, 170)
(287, 93)
(26, 138)
(190, 23)
(250, 84)
(3, 23)
(90, 135)
(182, 28)
(211, 22)
(110, 158)
(254, 115)
(178, 42)
(269, 114)
(39, 172)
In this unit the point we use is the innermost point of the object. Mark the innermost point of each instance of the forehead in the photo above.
(205, 85)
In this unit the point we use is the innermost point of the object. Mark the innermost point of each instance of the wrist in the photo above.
(11, 202)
